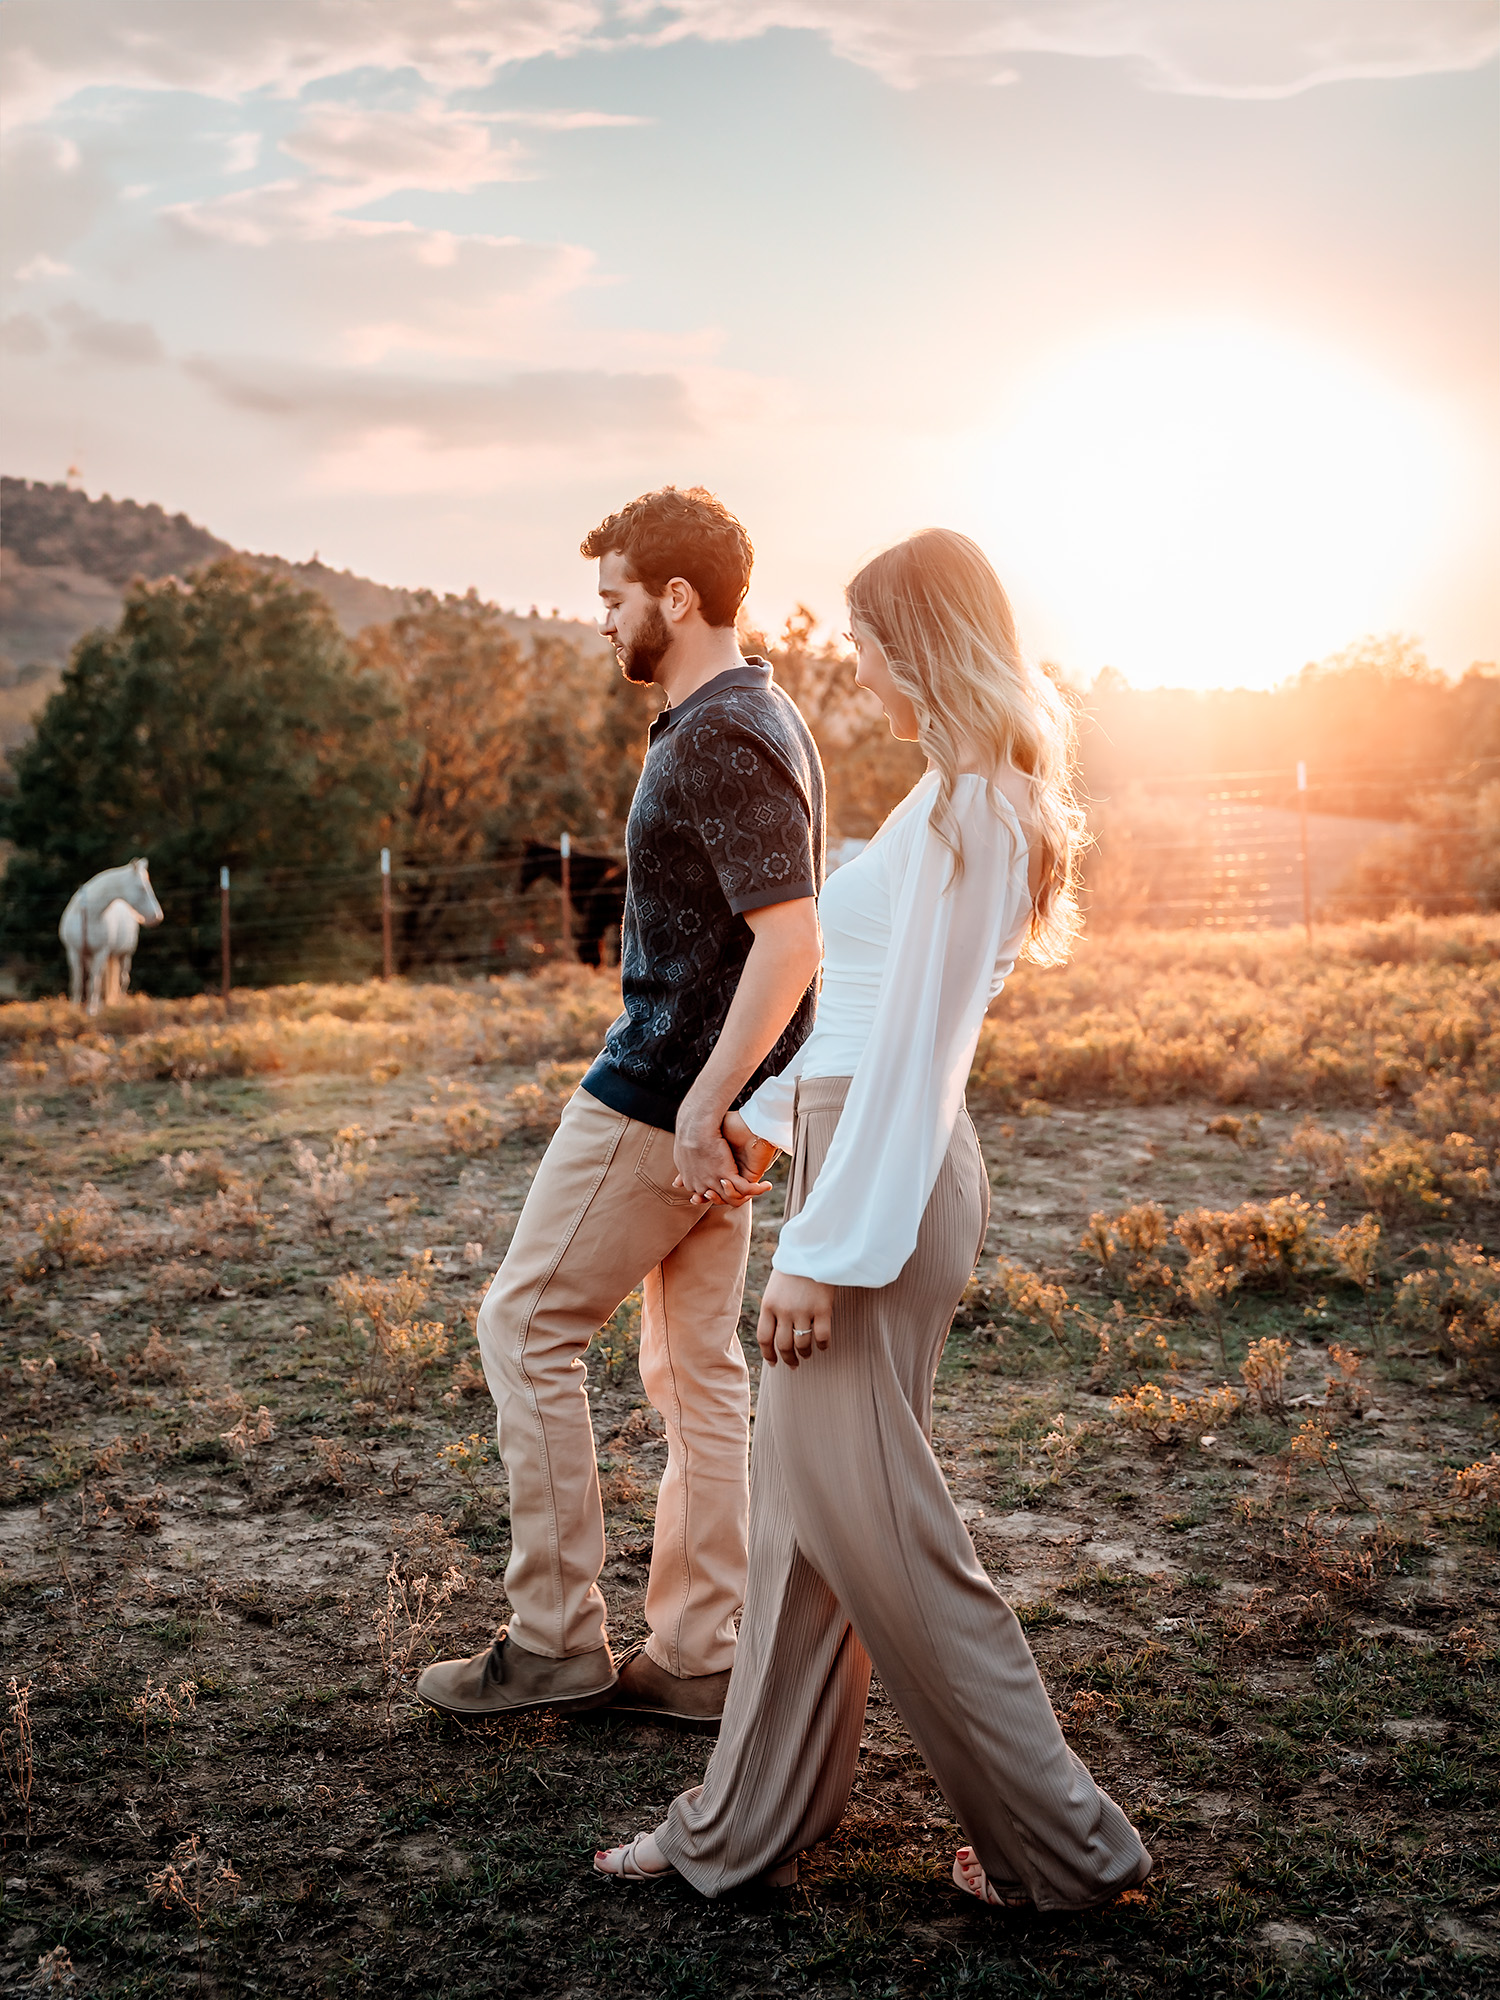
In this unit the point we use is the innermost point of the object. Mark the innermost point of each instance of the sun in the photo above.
(1212, 505)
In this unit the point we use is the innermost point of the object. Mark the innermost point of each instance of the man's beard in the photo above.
(640, 659)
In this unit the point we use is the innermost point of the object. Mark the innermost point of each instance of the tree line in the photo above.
(226, 721)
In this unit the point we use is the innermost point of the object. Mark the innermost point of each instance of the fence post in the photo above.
(1306, 869)
(566, 845)
(385, 912)
(224, 937)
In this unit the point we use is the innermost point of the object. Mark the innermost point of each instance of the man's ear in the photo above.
(678, 601)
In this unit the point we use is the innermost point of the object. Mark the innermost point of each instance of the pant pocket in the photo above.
(656, 1169)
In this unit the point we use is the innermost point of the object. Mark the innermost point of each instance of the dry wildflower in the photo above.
(1032, 1298)
(1314, 1444)
(1207, 1284)
(423, 1578)
(330, 1181)
(156, 1361)
(535, 1108)
(1321, 1154)
(1457, 1303)
(1245, 1132)
(1274, 1242)
(468, 1380)
(1156, 1412)
(466, 1457)
(54, 1971)
(1088, 1709)
(246, 1437)
(1264, 1374)
(1479, 1483)
(1130, 1239)
(337, 1463)
(472, 1128)
(80, 1233)
(16, 1745)
(1063, 1443)
(393, 1349)
(1344, 1384)
(163, 1701)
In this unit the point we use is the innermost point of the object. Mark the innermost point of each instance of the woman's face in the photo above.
(872, 670)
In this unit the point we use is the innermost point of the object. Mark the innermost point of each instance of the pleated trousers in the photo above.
(857, 1554)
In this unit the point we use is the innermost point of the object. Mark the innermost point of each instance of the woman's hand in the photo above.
(752, 1155)
(796, 1315)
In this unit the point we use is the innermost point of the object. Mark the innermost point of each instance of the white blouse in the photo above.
(910, 963)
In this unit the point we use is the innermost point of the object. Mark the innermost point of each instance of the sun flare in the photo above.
(1213, 505)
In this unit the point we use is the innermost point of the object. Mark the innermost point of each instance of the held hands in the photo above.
(796, 1316)
(724, 1166)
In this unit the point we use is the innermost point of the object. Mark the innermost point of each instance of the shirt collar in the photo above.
(752, 672)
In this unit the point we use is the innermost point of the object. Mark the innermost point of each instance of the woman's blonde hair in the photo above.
(942, 618)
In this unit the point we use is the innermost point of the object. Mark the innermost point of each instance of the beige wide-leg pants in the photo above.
(602, 1217)
(857, 1554)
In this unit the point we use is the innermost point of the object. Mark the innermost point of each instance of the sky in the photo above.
(1187, 310)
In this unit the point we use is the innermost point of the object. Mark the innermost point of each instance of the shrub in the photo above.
(1267, 1245)
(1264, 1371)
(1157, 1412)
(1457, 1303)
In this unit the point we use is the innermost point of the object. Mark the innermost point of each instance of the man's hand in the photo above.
(782, 964)
(752, 1155)
(796, 1316)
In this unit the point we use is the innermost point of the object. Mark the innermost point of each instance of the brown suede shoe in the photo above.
(505, 1678)
(643, 1688)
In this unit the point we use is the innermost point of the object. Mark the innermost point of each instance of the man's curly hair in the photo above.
(686, 532)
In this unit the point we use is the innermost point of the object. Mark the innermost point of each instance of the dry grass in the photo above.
(1215, 1410)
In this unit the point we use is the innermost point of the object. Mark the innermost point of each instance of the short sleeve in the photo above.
(752, 815)
(860, 1221)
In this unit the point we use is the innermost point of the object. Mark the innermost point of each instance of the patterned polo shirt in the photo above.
(727, 817)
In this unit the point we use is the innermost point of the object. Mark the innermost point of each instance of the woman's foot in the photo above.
(639, 1860)
(969, 1875)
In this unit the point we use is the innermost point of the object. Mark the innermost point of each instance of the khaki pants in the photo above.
(857, 1553)
(601, 1218)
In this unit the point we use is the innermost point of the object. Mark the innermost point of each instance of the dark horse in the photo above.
(596, 890)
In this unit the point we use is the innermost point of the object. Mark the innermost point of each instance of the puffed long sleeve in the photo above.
(768, 1112)
(859, 1224)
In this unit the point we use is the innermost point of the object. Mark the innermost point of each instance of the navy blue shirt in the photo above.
(727, 817)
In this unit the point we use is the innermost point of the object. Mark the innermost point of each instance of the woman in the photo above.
(856, 1551)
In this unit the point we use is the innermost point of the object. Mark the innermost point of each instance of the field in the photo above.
(1218, 1411)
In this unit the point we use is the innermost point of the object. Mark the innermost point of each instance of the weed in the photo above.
(165, 1702)
(392, 1348)
(1457, 1302)
(1314, 1444)
(1032, 1299)
(246, 1437)
(1156, 1413)
(1268, 1244)
(1264, 1373)
(424, 1576)
(1478, 1484)
(54, 1971)
(183, 1885)
(16, 1745)
(618, 1341)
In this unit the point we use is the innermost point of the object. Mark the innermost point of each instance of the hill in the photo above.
(66, 559)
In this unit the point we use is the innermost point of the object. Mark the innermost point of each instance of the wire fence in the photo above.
(1210, 850)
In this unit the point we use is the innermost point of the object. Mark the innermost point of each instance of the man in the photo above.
(719, 958)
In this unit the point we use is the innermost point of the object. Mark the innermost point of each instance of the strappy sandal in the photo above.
(969, 1875)
(630, 1868)
(782, 1876)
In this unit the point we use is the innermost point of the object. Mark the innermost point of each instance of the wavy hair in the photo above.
(941, 616)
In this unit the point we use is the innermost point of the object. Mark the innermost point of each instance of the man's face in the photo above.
(632, 621)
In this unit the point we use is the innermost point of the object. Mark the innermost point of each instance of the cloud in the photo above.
(377, 152)
(1246, 48)
(23, 333)
(334, 408)
(58, 47)
(1237, 48)
(130, 342)
(50, 194)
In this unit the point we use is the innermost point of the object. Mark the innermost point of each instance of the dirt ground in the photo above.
(1289, 1683)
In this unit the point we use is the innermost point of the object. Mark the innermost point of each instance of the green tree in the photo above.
(223, 722)
(513, 744)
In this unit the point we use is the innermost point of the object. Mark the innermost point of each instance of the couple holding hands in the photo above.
(837, 1547)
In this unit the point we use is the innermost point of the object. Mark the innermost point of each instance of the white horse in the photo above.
(100, 929)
